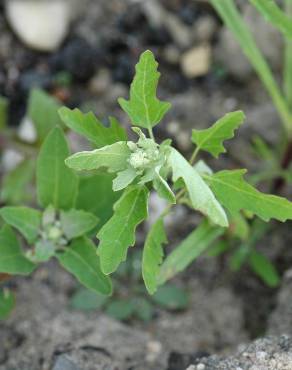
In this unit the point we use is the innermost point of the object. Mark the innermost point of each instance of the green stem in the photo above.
(287, 76)
(150, 131)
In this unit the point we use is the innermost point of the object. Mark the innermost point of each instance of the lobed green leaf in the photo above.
(26, 220)
(119, 232)
(153, 255)
(211, 139)
(143, 108)
(87, 125)
(236, 194)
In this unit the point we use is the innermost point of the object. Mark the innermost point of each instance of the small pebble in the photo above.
(27, 131)
(41, 25)
(261, 355)
(201, 367)
(196, 61)
(63, 363)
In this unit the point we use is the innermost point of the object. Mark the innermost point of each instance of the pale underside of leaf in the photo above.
(114, 157)
(163, 189)
(124, 178)
(200, 194)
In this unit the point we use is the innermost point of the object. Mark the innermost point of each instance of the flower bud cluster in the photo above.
(145, 153)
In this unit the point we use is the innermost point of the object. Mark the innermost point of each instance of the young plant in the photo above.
(57, 228)
(146, 165)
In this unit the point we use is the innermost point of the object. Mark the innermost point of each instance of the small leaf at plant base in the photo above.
(91, 185)
(43, 251)
(171, 297)
(15, 184)
(87, 300)
(113, 157)
(153, 255)
(236, 194)
(56, 184)
(188, 250)
(118, 234)
(43, 111)
(264, 269)
(26, 220)
(144, 310)
(124, 179)
(12, 259)
(200, 194)
(238, 226)
(76, 222)
(7, 303)
(143, 108)
(239, 257)
(87, 125)
(81, 260)
(211, 139)
(218, 248)
(121, 309)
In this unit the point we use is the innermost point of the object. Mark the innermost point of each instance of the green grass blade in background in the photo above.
(274, 14)
(233, 20)
(287, 77)
(3, 112)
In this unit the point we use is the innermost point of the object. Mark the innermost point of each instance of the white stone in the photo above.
(196, 61)
(41, 25)
(10, 159)
(27, 131)
(201, 367)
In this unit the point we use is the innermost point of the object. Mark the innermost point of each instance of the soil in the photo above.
(226, 309)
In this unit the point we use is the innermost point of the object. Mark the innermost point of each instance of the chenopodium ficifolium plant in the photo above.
(145, 165)
(57, 229)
